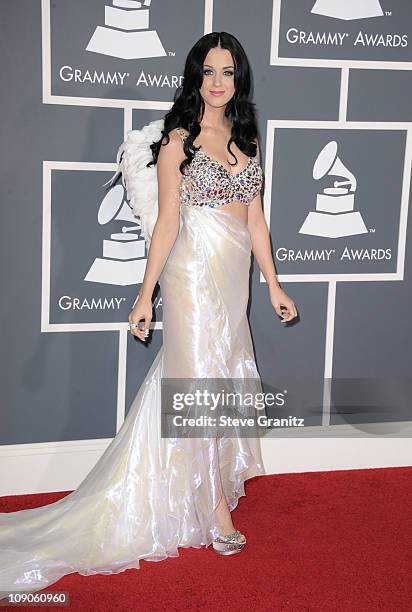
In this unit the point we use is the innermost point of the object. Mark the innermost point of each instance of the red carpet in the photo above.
(335, 541)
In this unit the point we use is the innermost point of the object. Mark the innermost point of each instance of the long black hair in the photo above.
(188, 104)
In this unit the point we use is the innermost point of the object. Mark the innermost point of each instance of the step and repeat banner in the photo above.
(332, 83)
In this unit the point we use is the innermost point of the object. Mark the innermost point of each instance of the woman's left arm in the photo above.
(259, 233)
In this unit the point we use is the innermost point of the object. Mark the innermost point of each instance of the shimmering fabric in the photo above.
(206, 182)
(147, 495)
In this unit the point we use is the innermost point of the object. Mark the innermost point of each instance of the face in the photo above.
(218, 84)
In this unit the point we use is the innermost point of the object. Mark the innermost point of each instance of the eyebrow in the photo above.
(224, 67)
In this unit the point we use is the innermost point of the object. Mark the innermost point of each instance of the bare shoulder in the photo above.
(171, 152)
(174, 138)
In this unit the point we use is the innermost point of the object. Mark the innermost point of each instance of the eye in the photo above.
(227, 72)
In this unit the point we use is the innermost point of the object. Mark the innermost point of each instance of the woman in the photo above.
(148, 495)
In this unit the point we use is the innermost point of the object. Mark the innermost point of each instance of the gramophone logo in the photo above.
(335, 215)
(348, 9)
(124, 254)
(126, 33)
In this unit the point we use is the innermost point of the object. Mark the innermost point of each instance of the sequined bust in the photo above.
(206, 182)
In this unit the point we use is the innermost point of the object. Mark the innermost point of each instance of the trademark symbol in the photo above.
(372, 230)
(171, 53)
(388, 13)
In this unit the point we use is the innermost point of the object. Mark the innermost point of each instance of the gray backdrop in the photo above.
(333, 90)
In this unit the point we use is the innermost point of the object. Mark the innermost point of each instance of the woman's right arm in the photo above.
(165, 230)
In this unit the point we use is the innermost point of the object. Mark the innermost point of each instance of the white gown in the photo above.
(147, 495)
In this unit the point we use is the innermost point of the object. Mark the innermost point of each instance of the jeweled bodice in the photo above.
(206, 182)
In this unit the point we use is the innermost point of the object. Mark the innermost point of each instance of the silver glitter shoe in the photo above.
(229, 544)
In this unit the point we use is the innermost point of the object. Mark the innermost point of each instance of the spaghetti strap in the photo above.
(181, 133)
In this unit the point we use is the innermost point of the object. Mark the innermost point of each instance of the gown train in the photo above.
(146, 496)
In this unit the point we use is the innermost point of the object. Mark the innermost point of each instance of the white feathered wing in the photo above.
(139, 181)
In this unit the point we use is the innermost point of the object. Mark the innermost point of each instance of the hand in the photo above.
(280, 299)
(141, 310)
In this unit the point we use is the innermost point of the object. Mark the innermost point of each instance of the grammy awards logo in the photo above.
(348, 9)
(335, 215)
(124, 254)
(126, 33)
